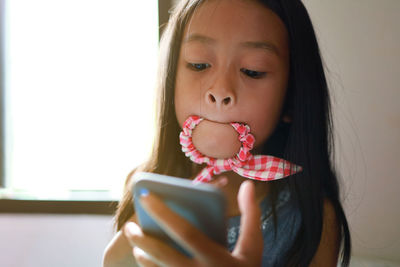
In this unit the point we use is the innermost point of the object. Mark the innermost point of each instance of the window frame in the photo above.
(2, 147)
(26, 206)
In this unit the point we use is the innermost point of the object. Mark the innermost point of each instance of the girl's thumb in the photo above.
(250, 242)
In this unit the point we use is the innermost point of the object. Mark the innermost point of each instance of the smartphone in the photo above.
(203, 205)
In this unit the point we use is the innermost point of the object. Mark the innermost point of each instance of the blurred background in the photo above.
(77, 80)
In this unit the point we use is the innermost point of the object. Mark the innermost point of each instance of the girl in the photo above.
(255, 62)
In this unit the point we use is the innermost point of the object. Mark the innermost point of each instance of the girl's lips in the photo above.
(221, 121)
(216, 139)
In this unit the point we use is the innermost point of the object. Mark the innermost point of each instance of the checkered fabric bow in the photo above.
(258, 167)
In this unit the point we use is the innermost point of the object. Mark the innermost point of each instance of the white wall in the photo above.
(360, 41)
(53, 240)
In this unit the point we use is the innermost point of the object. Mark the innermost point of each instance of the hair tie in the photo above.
(256, 167)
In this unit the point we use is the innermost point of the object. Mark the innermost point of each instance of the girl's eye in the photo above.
(253, 74)
(198, 66)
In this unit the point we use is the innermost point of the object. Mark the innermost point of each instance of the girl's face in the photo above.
(233, 66)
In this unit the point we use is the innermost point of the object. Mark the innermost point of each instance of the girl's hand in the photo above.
(150, 251)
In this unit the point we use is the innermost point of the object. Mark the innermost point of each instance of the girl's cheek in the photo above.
(195, 79)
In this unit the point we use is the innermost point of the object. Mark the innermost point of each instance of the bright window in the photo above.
(78, 90)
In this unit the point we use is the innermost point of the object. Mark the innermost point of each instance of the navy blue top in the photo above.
(288, 224)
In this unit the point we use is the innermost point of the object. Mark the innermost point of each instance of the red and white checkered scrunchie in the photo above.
(258, 167)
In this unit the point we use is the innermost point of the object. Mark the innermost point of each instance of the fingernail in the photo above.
(248, 182)
(139, 252)
(144, 196)
(143, 192)
(131, 228)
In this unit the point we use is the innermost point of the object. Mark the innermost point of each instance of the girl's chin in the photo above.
(216, 140)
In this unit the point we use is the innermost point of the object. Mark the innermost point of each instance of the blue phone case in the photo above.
(202, 205)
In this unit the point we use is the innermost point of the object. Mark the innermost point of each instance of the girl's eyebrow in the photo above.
(199, 38)
(267, 46)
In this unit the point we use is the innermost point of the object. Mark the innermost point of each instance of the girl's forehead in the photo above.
(237, 21)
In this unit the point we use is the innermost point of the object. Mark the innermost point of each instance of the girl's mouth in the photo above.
(216, 139)
(219, 121)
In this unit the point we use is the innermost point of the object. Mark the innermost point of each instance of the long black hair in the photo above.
(306, 141)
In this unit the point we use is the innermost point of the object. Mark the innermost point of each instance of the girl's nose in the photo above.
(221, 96)
(219, 100)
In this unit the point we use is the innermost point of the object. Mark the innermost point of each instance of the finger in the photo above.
(250, 241)
(181, 230)
(220, 181)
(142, 258)
(160, 252)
